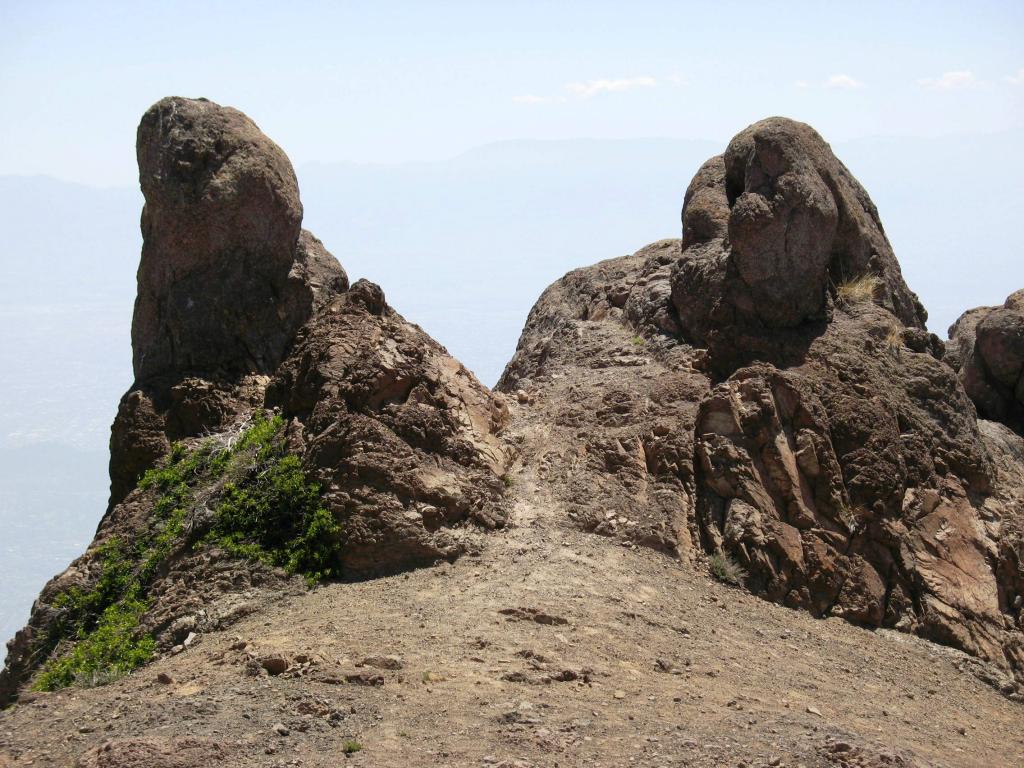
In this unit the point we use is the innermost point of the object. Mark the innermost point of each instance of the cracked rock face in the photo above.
(825, 443)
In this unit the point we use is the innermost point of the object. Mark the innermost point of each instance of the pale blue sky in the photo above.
(395, 81)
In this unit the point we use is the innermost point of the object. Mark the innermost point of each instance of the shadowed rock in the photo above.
(770, 228)
(225, 280)
(986, 346)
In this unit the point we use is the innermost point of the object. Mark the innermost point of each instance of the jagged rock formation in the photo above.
(763, 390)
(986, 347)
(226, 279)
(240, 311)
(239, 308)
(770, 228)
(819, 438)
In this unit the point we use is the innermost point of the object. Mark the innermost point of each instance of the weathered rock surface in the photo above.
(770, 229)
(815, 434)
(986, 347)
(611, 401)
(403, 437)
(227, 278)
(240, 311)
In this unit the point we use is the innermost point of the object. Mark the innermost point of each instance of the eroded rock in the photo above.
(240, 312)
(986, 346)
(833, 453)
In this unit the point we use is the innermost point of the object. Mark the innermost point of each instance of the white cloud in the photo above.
(677, 79)
(1015, 79)
(947, 81)
(843, 82)
(593, 87)
(801, 84)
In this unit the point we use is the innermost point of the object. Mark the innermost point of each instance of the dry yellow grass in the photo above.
(858, 289)
(894, 339)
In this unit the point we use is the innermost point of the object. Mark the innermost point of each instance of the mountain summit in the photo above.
(759, 402)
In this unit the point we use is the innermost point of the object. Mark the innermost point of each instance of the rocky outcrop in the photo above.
(771, 229)
(240, 315)
(227, 278)
(606, 402)
(832, 453)
(222, 211)
(761, 394)
(986, 347)
(403, 437)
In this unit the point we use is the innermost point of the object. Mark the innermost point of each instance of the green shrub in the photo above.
(270, 511)
(104, 623)
(351, 747)
(263, 508)
(112, 648)
(727, 570)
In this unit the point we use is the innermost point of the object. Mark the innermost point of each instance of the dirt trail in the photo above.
(552, 648)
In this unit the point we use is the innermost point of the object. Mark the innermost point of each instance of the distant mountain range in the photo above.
(462, 247)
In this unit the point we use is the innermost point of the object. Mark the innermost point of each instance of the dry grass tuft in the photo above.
(894, 339)
(727, 570)
(858, 289)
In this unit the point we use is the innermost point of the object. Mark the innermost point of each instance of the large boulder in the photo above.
(986, 346)
(771, 229)
(226, 279)
(222, 210)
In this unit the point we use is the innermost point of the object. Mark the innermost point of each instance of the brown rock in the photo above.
(383, 662)
(836, 458)
(275, 664)
(767, 229)
(986, 346)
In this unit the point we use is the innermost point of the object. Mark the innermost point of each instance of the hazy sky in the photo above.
(395, 81)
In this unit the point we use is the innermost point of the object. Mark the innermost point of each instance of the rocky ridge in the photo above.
(241, 312)
(760, 398)
(769, 377)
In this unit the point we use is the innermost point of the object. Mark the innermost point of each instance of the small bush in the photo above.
(110, 650)
(104, 623)
(263, 508)
(270, 511)
(857, 290)
(727, 570)
(351, 747)
(638, 341)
